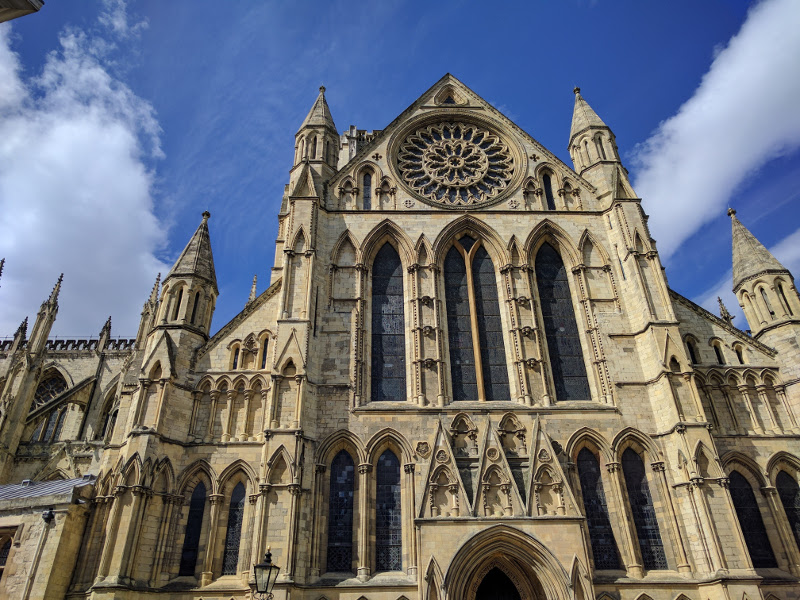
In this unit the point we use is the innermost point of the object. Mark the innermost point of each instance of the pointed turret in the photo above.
(750, 257)
(190, 288)
(764, 287)
(20, 336)
(317, 141)
(320, 114)
(593, 149)
(45, 319)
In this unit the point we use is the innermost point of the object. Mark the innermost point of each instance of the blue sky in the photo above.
(120, 122)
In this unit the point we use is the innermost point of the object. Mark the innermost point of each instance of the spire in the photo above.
(750, 257)
(53, 299)
(20, 336)
(253, 290)
(106, 330)
(583, 116)
(154, 292)
(320, 114)
(196, 259)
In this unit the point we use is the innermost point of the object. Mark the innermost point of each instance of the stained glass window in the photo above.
(749, 515)
(233, 535)
(548, 192)
(367, 191)
(789, 493)
(388, 523)
(50, 387)
(478, 286)
(4, 552)
(644, 514)
(388, 327)
(191, 541)
(561, 329)
(340, 513)
(62, 416)
(51, 426)
(601, 536)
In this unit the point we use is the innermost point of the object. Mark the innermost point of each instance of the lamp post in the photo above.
(266, 573)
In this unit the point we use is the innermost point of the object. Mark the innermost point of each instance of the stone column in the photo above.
(213, 414)
(780, 390)
(630, 543)
(683, 562)
(749, 404)
(226, 432)
(244, 429)
(762, 395)
(208, 562)
(364, 489)
(412, 567)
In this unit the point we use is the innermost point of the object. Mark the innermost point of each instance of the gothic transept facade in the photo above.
(468, 378)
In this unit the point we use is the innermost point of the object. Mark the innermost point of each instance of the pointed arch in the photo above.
(591, 251)
(132, 471)
(423, 251)
(632, 437)
(300, 237)
(338, 440)
(740, 461)
(707, 465)
(580, 580)
(548, 231)
(588, 437)
(280, 457)
(434, 579)
(163, 471)
(387, 230)
(779, 459)
(199, 469)
(392, 439)
(346, 241)
(229, 474)
(470, 225)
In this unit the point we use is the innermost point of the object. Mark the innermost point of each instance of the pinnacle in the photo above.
(154, 292)
(196, 260)
(320, 114)
(750, 257)
(583, 116)
(56, 289)
(22, 329)
(253, 290)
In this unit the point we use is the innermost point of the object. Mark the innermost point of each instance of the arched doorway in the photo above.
(497, 586)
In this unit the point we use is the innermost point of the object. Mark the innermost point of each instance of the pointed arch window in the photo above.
(388, 375)
(601, 536)
(749, 515)
(643, 512)
(233, 534)
(789, 493)
(767, 303)
(367, 191)
(51, 386)
(548, 191)
(561, 328)
(784, 301)
(191, 541)
(264, 348)
(388, 517)
(340, 513)
(475, 330)
(178, 305)
(194, 306)
(690, 345)
(5, 550)
(718, 354)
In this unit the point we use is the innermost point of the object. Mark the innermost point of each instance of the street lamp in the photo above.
(266, 573)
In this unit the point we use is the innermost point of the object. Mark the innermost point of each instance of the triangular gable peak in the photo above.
(549, 490)
(444, 495)
(466, 105)
(497, 495)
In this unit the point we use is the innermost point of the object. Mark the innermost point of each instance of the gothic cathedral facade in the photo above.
(468, 378)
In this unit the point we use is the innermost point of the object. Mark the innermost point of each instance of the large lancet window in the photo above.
(233, 535)
(367, 191)
(388, 327)
(388, 523)
(475, 330)
(644, 514)
(191, 541)
(604, 548)
(560, 326)
(749, 515)
(340, 513)
(789, 493)
(548, 191)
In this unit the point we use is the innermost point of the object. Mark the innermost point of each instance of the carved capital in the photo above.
(658, 467)
(364, 468)
(426, 300)
(409, 468)
(612, 467)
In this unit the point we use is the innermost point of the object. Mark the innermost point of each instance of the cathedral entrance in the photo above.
(497, 586)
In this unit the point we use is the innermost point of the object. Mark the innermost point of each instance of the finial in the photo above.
(253, 290)
(154, 292)
(322, 90)
(723, 312)
(206, 216)
(731, 212)
(576, 90)
(56, 289)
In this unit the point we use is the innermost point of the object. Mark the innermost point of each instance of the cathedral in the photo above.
(468, 379)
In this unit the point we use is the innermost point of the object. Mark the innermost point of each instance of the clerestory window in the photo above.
(475, 331)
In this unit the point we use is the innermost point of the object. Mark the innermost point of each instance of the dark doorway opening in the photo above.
(497, 586)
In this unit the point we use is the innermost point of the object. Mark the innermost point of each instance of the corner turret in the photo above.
(316, 145)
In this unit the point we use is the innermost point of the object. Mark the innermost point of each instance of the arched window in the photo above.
(51, 386)
(191, 541)
(388, 517)
(739, 354)
(233, 534)
(388, 327)
(598, 142)
(178, 305)
(5, 549)
(235, 358)
(194, 306)
(690, 345)
(644, 514)
(560, 326)
(340, 513)
(367, 191)
(749, 515)
(313, 152)
(767, 303)
(718, 353)
(51, 426)
(604, 548)
(548, 191)
(789, 492)
(784, 300)
(62, 416)
(475, 330)
(264, 348)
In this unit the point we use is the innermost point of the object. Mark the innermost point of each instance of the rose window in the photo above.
(456, 164)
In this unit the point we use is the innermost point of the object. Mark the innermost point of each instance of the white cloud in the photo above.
(787, 251)
(745, 112)
(75, 190)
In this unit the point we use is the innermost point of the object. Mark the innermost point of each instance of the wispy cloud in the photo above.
(75, 187)
(744, 113)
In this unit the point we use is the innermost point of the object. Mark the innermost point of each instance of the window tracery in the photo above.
(51, 386)
(233, 534)
(475, 331)
(643, 511)
(601, 536)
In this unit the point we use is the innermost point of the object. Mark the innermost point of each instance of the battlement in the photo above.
(77, 345)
